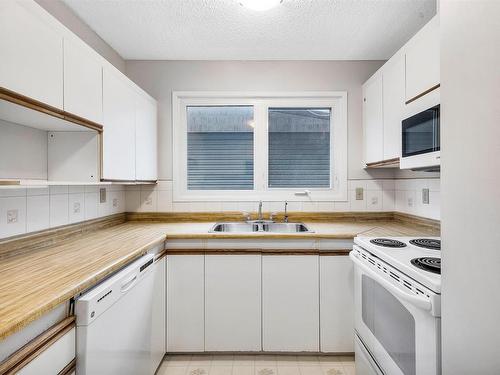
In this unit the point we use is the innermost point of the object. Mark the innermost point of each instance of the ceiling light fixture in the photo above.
(260, 5)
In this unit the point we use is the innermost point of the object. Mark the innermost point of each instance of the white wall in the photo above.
(160, 78)
(69, 19)
(470, 92)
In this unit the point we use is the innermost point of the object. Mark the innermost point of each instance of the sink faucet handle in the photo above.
(246, 215)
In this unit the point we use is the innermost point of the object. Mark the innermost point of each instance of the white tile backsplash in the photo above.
(378, 195)
(58, 209)
(37, 212)
(91, 204)
(44, 207)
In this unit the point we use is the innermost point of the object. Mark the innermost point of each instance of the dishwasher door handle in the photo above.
(129, 284)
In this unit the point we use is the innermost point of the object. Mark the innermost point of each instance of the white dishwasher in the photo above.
(114, 331)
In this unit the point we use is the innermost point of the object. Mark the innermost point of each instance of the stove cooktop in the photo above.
(403, 258)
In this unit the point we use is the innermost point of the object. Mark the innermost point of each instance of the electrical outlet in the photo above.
(425, 196)
(76, 207)
(359, 194)
(410, 202)
(102, 195)
(12, 216)
(115, 202)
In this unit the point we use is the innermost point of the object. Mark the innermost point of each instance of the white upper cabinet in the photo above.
(422, 60)
(411, 72)
(290, 303)
(31, 46)
(232, 303)
(119, 100)
(373, 119)
(393, 74)
(146, 138)
(82, 81)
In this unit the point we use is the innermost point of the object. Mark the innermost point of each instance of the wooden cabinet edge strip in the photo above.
(69, 369)
(383, 163)
(35, 347)
(24, 101)
(423, 93)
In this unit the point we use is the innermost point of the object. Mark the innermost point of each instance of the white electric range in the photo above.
(397, 305)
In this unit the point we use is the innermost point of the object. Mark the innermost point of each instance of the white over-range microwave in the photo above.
(420, 130)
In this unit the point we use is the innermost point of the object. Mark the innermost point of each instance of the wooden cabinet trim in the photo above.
(24, 101)
(37, 346)
(69, 369)
(423, 93)
(383, 163)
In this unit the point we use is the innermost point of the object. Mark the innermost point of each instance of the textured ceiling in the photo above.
(223, 29)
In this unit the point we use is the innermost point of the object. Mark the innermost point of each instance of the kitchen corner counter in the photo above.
(37, 278)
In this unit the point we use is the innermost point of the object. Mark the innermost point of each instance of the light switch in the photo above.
(115, 202)
(359, 194)
(102, 195)
(76, 207)
(425, 196)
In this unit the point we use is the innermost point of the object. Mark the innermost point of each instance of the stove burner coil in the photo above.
(428, 264)
(387, 242)
(427, 243)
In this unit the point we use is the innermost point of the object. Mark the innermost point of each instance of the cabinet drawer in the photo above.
(52, 352)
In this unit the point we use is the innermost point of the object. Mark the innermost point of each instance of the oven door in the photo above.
(397, 327)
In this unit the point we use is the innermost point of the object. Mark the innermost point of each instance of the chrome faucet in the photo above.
(285, 218)
(259, 217)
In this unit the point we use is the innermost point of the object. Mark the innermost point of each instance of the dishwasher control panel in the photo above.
(97, 300)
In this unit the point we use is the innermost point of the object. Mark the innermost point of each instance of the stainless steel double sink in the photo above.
(260, 226)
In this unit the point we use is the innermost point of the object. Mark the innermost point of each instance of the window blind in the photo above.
(299, 148)
(220, 148)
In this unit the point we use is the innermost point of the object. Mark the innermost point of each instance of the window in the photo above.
(299, 147)
(220, 148)
(270, 146)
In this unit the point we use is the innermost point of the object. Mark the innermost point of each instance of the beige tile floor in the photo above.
(259, 364)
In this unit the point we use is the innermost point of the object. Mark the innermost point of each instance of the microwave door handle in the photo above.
(417, 301)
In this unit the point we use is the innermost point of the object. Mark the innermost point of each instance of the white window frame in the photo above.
(261, 101)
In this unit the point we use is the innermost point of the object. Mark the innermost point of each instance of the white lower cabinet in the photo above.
(54, 358)
(233, 302)
(158, 315)
(290, 303)
(336, 304)
(185, 303)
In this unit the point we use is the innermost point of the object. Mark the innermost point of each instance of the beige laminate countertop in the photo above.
(33, 283)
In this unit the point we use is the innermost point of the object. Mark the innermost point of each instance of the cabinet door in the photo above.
(119, 128)
(336, 304)
(233, 303)
(185, 303)
(158, 316)
(373, 120)
(32, 53)
(146, 138)
(393, 104)
(422, 60)
(54, 358)
(82, 81)
(290, 303)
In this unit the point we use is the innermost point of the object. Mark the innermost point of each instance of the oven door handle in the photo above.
(417, 301)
